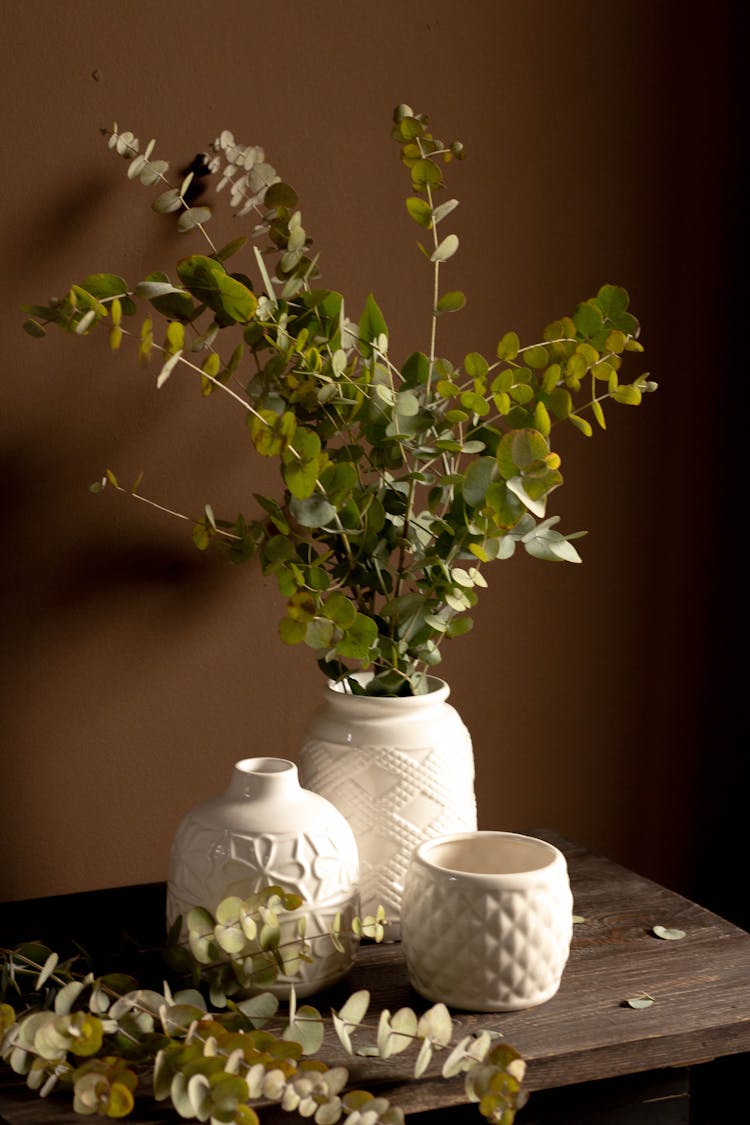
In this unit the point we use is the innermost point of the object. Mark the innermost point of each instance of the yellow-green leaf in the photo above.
(451, 302)
(175, 337)
(581, 424)
(271, 432)
(120, 1102)
(420, 211)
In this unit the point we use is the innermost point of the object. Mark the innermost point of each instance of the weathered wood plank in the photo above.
(700, 985)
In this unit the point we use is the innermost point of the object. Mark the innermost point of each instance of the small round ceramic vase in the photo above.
(401, 770)
(266, 830)
(487, 920)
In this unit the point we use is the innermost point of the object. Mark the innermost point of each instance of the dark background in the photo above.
(604, 145)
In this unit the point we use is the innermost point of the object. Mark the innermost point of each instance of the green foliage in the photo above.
(397, 481)
(103, 1037)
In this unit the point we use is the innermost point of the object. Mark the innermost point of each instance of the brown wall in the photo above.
(135, 670)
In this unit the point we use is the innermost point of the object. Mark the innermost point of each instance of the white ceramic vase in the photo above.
(487, 920)
(401, 770)
(265, 829)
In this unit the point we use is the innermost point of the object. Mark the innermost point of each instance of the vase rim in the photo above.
(451, 855)
(264, 766)
(435, 687)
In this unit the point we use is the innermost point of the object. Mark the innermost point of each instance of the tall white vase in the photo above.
(265, 830)
(401, 770)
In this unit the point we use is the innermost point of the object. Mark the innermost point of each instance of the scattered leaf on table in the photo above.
(667, 934)
(642, 1001)
(578, 918)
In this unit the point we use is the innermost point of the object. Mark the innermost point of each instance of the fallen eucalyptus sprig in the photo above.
(103, 1035)
(246, 944)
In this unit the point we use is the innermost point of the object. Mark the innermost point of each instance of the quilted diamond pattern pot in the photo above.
(401, 770)
(487, 920)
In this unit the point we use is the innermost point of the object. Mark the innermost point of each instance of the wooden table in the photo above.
(591, 1059)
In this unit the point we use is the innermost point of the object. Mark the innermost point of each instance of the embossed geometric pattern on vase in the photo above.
(210, 864)
(393, 799)
(486, 950)
(216, 863)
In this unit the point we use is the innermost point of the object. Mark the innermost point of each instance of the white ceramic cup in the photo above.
(487, 919)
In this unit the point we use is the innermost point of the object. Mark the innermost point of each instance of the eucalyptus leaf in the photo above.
(355, 1007)
(444, 209)
(167, 368)
(313, 511)
(451, 302)
(403, 1030)
(341, 1028)
(371, 325)
(47, 970)
(306, 1028)
(446, 249)
(167, 202)
(259, 1009)
(479, 476)
(193, 217)
(667, 933)
(640, 1002)
(151, 289)
(425, 174)
(420, 211)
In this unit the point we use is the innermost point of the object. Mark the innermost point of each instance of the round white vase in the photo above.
(266, 830)
(401, 769)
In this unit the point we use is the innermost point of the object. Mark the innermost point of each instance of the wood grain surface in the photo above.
(700, 985)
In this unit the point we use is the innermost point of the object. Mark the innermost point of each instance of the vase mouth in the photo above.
(435, 686)
(489, 855)
(264, 766)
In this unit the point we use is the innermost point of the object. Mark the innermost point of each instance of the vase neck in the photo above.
(264, 778)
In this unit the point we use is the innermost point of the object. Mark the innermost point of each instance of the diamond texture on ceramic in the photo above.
(484, 949)
(393, 799)
(401, 770)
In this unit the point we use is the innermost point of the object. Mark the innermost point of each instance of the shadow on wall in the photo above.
(59, 220)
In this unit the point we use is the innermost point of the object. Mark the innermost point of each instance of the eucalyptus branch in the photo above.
(150, 172)
(97, 1038)
(396, 478)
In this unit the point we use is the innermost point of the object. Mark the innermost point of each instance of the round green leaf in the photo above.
(319, 633)
(420, 211)
(229, 910)
(475, 365)
(307, 1029)
(509, 346)
(314, 511)
(359, 638)
(425, 173)
(451, 302)
(340, 610)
